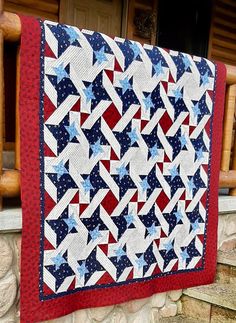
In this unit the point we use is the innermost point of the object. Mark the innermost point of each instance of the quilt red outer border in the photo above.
(34, 310)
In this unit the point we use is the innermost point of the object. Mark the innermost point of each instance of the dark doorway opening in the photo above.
(184, 25)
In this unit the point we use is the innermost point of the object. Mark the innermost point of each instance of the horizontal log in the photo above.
(231, 3)
(231, 74)
(228, 127)
(225, 60)
(8, 145)
(11, 26)
(1, 104)
(10, 183)
(30, 11)
(17, 116)
(224, 53)
(227, 12)
(223, 43)
(224, 33)
(232, 192)
(51, 6)
(224, 22)
(228, 179)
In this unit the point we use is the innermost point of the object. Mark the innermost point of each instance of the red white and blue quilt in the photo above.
(120, 150)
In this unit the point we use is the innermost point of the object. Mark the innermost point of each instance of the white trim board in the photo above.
(227, 204)
(11, 220)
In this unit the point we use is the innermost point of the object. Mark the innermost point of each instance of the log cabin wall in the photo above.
(222, 47)
(47, 9)
(222, 40)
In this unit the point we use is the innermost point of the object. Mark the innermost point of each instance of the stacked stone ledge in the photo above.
(9, 278)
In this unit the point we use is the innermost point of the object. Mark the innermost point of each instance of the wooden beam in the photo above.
(224, 53)
(233, 159)
(230, 74)
(1, 107)
(1, 6)
(223, 43)
(228, 127)
(224, 33)
(228, 179)
(17, 135)
(11, 26)
(30, 11)
(10, 183)
(49, 6)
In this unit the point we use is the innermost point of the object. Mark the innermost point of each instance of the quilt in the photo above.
(120, 152)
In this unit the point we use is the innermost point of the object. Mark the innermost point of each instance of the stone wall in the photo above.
(145, 310)
(149, 310)
(9, 277)
(227, 232)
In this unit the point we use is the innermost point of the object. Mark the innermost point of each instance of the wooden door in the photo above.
(98, 15)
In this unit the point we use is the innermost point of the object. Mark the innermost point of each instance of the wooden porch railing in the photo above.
(10, 30)
(228, 156)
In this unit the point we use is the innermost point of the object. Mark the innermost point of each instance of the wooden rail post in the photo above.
(228, 161)
(228, 127)
(1, 97)
(10, 25)
(1, 105)
(232, 191)
(10, 30)
(17, 138)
